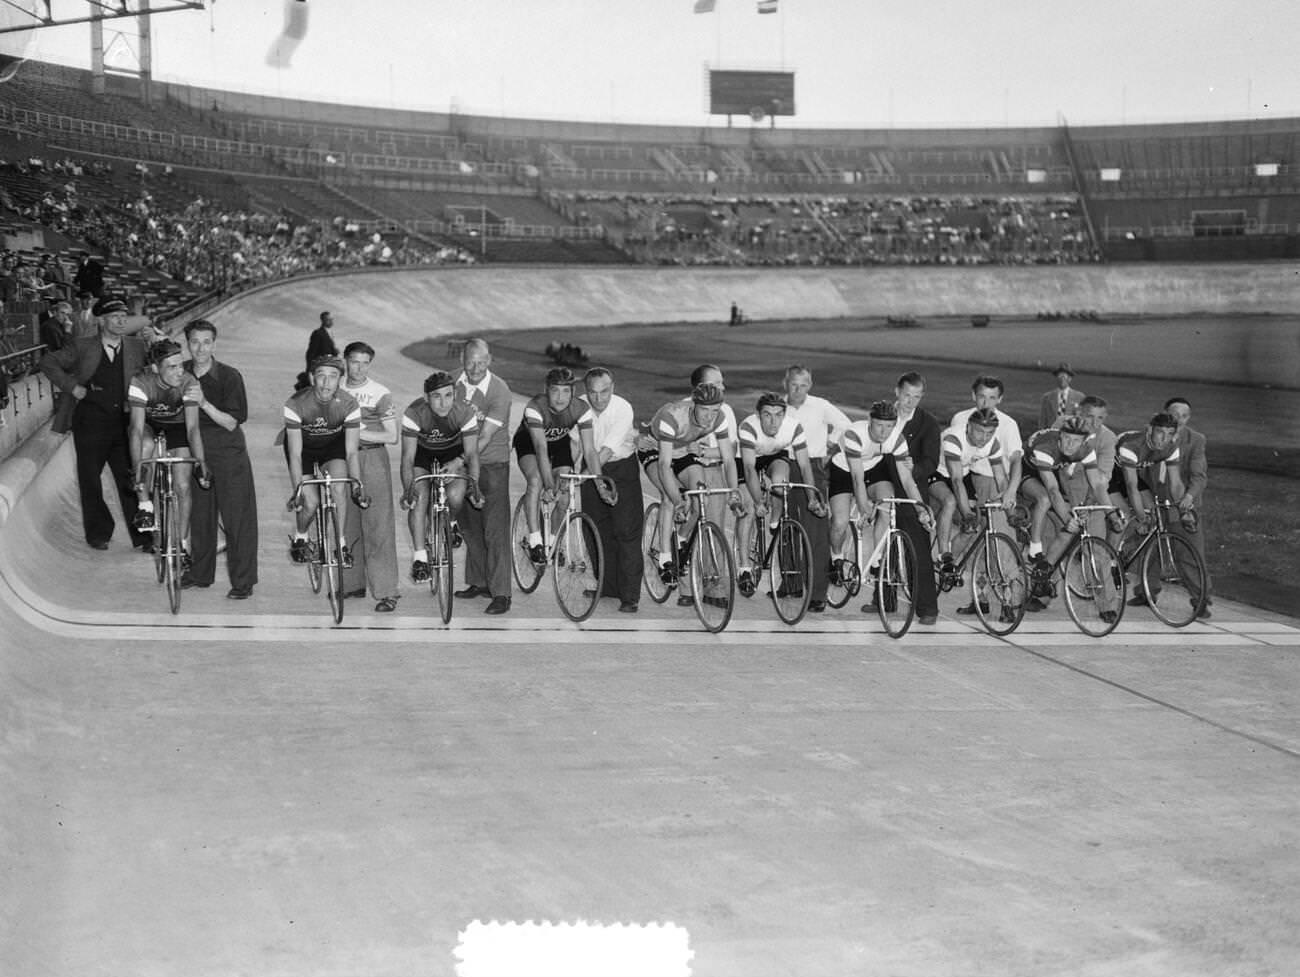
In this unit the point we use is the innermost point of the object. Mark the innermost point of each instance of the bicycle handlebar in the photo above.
(782, 488)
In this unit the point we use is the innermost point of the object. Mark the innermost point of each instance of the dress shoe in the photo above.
(99, 544)
(970, 608)
(473, 590)
(189, 583)
(386, 605)
(499, 605)
(927, 619)
(685, 600)
(628, 607)
(240, 593)
(816, 606)
(1139, 600)
(355, 594)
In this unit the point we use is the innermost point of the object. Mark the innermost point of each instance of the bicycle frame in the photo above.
(791, 585)
(1096, 586)
(1161, 546)
(437, 532)
(167, 532)
(992, 575)
(327, 561)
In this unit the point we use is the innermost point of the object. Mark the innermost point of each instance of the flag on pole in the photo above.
(767, 6)
(705, 6)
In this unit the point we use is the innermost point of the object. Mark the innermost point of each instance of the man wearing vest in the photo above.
(93, 373)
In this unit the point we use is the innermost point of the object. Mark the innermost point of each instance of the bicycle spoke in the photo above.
(1095, 588)
(527, 573)
(999, 584)
(896, 585)
(713, 577)
(657, 590)
(790, 572)
(1173, 580)
(575, 566)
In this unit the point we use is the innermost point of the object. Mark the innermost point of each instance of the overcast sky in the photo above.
(857, 62)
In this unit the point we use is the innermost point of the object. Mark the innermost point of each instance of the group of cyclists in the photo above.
(846, 466)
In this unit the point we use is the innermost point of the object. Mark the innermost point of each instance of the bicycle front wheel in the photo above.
(527, 573)
(159, 563)
(654, 585)
(332, 568)
(896, 585)
(1173, 580)
(999, 584)
(169, 519)
(846, 579)
(1095, 587)
(790, 572)
(576, 566)
(713, 577)
(440, 562)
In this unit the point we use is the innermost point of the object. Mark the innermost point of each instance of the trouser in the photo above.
(233, 500)
(374, 561)
(819, 530)
(487, 532)
(619, 527)
(927, 594)
(99, 440)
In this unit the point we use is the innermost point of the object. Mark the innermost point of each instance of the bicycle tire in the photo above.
(441, 565)
(655, 588)
(790, 572)
(1178, 574)
(170, 520)
(577, 565)
(314, 561)
(1000, 583)
(896, 585)
(713, 578)
(332, 568)
(850, 582)
(527, 573)
(1095, 587)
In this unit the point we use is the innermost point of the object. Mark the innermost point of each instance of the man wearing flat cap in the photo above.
(93, 372)
(1064, 400)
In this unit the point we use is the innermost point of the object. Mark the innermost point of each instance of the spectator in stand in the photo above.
(1062, 402)
(57, 328)
(89, 277)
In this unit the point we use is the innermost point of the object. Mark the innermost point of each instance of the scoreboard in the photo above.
(753, 93)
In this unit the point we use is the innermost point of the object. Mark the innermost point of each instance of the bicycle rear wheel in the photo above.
(713, 577)
(654, 586)
(441, 569)
(790, 572)
(845, 585)
(999, 584)
(1095, 587)
(577, 565)
(1173, 580)
(332, 567)
(527, 573)
(169, 519)
(896, 585)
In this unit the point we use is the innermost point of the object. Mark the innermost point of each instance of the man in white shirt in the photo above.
(987, 392)
(376, 560)
(822, 424)
(619, 525)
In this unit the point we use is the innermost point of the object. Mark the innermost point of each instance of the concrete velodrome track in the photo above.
(243, 789)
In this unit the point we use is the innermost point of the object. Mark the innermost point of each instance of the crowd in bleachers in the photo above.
(813, 230)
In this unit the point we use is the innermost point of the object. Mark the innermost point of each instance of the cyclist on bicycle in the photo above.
(322, 427)
(544, 451)
(681, 428)
(872, 462)
(1055, 455)
(962, 485)
(439, 434)
(164, 399)
(1145, 460)
(769, 438)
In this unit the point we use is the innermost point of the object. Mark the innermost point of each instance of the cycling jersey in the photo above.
(856, 442)
(788, 439)
(443, 437)
(321, 423)
(1132, 451)
(164, 406)
(556, 425)
(675, 423)
(957, 447)
(1043, 449)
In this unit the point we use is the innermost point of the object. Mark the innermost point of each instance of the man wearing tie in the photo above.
(1063, 401)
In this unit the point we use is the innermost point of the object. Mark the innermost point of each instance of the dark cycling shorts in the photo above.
(335, 449)
(560, 452)
(840, 481)
(176, 435)
(966, 480)
(428, 459)
(1117, 486)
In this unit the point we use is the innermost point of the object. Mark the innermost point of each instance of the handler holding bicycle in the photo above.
(322, 427)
